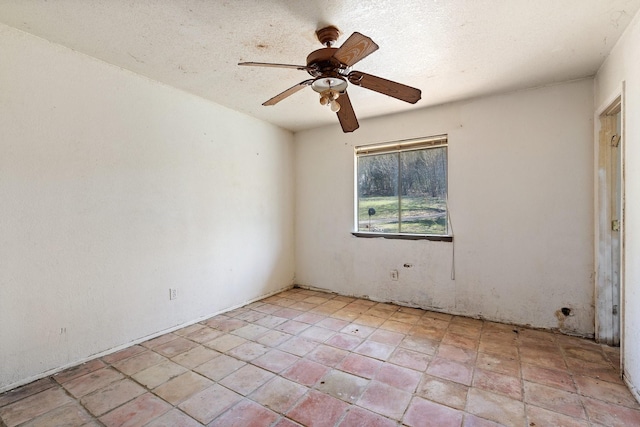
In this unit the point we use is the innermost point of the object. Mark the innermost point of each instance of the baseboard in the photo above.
(443, 311)
(134, 342)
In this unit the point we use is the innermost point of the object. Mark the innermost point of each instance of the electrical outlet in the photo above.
(394, 274)
(173, 293)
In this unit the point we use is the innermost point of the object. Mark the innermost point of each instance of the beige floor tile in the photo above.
(442, 391)
(385, 400)
(555, 400)
(139, 362)
(343, 386)
(611, 415)
(246, 379)
(462, 341)
(26, 391)
(175, 347)
(358, 417)
(195, 357)
(225, 343)
(123, 354)
(549, 377)
(34, 406)
(115, 394)
(209, 403)
(305, 357)
(543, 417)
(410, 359)
(498, 383)
(154, 376)
(450, 370)
(318, 409)
(218, 368)
(424, 413)
(162, 339)
(499, 364)
(174, 418)
(279, 394)
(457, 354)
(496, 407)
(182, 387)
(137, 412)
(246, 413)
(399, 377)
(88, 383)
(204, 334)
(603, 390)
(70, 415)
(78, 371)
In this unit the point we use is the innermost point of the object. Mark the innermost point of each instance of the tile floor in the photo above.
(314, 359)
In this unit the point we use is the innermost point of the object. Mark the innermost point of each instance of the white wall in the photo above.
(113, 189)
(521, 203)
(623, 65)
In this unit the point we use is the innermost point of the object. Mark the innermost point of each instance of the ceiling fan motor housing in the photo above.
(321, 63)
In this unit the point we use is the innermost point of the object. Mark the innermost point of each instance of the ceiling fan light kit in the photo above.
(330, 89)
(331, 71)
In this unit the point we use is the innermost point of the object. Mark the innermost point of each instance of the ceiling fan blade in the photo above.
(279, 97)
(384, 86)
(346, 115)
(354, 49)
(269, 64)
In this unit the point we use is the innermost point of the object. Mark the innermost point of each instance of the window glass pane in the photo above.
(403, 190)
(423, 207)
(378, 206)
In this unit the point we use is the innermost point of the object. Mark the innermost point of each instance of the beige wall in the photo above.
(113, 189)
(623, 65)
(521, 204)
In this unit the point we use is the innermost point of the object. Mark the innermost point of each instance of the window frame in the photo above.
(436, 141)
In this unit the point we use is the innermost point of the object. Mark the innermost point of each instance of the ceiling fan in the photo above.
(331, 71)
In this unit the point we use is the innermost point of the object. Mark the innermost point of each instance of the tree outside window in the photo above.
(402, 188)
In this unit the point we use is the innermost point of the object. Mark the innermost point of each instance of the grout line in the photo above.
(384, 311)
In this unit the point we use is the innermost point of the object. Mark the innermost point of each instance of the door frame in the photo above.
(604, 120)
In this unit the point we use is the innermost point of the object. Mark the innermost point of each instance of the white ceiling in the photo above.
(450, 49)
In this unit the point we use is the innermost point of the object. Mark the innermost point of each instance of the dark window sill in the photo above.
(405, 236)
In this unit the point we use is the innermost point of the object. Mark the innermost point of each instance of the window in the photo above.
(402, 189)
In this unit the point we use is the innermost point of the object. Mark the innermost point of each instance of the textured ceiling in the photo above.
(450, 49)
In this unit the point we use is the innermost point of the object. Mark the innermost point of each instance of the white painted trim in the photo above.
(634, 391)
(623, 166)
(134, 342)
(619, 91)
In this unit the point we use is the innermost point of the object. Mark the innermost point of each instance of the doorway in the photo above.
(610, 225)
